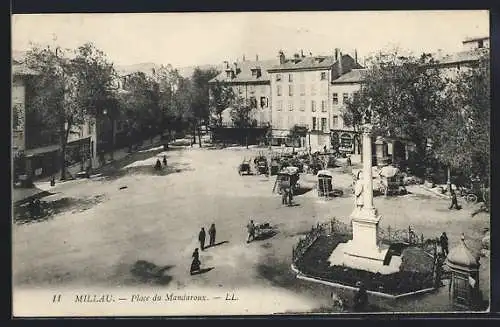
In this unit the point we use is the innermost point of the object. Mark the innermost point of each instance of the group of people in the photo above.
(196, 263)
(158, 164)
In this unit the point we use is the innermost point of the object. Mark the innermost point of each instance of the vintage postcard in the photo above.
(250, 163)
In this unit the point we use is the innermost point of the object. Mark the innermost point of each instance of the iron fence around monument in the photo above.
(309, 238)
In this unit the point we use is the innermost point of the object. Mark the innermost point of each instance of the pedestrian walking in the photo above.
(196, 263)
(443, 241)
(361, 298)
(53, 181)
(165, 160)
(251, 231)
(454, 201)
(349, 162)
(290, 196)
(211, 234)
(201, 238)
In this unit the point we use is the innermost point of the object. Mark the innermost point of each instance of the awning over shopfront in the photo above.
(281, 133)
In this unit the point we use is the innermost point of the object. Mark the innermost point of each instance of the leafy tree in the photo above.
(69, 89)
(200, 97)
(241, 114)
(405, 94)
(221, 97)
(462, 134)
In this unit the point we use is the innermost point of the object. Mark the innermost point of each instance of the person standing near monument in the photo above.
(361, 299)
(443, 241)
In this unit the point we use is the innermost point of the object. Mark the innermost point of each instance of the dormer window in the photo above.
(256, 72)
(229, 74)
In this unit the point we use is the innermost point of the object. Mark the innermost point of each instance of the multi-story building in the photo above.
(39, 145)
(249, 80)
(342, 89)
(474, 48)
(300, 95)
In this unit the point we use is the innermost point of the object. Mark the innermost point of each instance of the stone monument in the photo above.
(363, 251)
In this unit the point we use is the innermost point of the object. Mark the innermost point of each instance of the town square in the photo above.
(322, 183)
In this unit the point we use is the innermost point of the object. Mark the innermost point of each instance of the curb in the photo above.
(435, 192)
(300, 275)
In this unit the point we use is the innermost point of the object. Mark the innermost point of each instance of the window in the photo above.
(335, 121)
(302, 120)
(314, 125)
(323, 105)
(290, 105)
(290, 78)
(345, 97)
(302, 89)
(280, 105)
(302, 105)
(263, 102)
(313, 89)
(278, 77)
(253, 102)
(290, 122)
(355, 94)
(290, 90)
(313, 106)
(278, 90)
(335, 98)
(323, 76)
(324, 125)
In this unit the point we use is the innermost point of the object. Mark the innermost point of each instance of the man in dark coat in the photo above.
(443, 241)
(201, 238)
(158, 164)
(165, 160)
(290, 196)
(454, 201)
(251, 231)
(211, 234)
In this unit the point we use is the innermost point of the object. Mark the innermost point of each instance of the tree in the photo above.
(69, 90)
(200, 97)
(241, 114)
(221, 97)
(462, 134)
(406, 97)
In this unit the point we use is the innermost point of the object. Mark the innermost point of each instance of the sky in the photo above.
(186, 39)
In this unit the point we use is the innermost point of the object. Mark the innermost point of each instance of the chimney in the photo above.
(282, 57)
(302, 53)
(243, 57)
(256, 57)
(356, 56)
(336, 54)
(339, 63)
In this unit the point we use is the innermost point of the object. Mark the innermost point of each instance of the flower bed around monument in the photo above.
(415, 273)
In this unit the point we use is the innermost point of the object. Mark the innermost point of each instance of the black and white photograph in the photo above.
(250, 163)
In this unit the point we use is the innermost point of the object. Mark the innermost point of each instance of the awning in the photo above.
(281, 133)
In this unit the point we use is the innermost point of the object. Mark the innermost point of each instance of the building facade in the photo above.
(250, 81)
(300, 88)
(36, 147)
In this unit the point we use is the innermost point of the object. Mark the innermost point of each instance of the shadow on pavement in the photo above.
(266, 236)
(216, 244)
(148, 272)
(302, 190)
(202, 271)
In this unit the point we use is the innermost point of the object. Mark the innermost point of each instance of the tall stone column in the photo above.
(368, 207)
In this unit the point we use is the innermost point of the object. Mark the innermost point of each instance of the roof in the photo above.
(462, 257)
(354, 76)
(22, 70)
(462, 57)
(245, 74)
(313, 63)
(473, 39)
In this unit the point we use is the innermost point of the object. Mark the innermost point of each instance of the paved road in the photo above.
(156, 219)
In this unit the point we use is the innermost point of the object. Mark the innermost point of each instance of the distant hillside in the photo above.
(147, 68)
